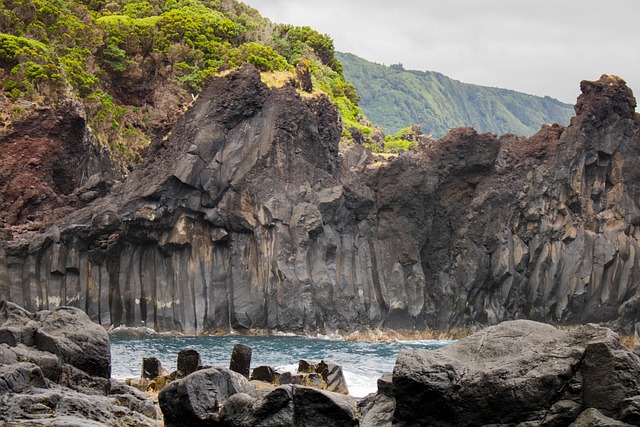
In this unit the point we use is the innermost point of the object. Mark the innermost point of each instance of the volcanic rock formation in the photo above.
(51, 165)
(249, 215)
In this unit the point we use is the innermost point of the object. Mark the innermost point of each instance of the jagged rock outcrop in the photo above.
(55, 369)
(249, 215)
(516, 373)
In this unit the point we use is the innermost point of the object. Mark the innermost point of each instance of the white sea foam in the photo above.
(332, 336)
(284, 334)
(140, 332)
(360, 385)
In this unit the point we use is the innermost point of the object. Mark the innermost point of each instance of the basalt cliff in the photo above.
(249, 215)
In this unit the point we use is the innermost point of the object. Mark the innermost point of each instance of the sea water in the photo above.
(362, 362)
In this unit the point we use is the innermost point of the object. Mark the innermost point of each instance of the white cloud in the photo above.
(543, 47)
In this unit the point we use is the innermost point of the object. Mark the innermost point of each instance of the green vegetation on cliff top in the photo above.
(136, 64)
(393, 98)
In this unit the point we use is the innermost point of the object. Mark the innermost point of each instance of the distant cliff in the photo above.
(249, 215)
(394, 98)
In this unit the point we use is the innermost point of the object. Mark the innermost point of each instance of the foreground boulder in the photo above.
(221, 397)
(516, 372)
(197, 398)
(54, 370)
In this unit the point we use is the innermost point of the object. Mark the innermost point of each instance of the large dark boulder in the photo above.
(196, 399)
(319, 408)
(65, 335)
(274, 409)
(516, 372)
(290, 405)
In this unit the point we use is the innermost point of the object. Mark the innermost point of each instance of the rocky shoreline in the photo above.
(55, 371)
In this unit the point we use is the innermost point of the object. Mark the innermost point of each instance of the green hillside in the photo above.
(393, 98)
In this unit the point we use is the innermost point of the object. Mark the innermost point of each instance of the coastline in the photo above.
(368, 335)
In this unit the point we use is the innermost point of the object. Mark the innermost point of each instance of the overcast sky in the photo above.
(541, 47)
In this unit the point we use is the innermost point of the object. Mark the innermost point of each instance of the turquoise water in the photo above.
(362, 362)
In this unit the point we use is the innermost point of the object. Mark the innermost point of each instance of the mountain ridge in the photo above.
(393, 98)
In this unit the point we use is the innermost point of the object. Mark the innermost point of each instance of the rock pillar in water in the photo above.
(188, 362)
(151, 368)
(241, 359)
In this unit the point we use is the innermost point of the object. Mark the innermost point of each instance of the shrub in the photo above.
(392, 144)
(263, 57)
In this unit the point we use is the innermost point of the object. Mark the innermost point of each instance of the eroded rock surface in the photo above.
(55, 370)
(249, 215)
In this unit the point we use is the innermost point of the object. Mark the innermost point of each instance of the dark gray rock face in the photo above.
(188, 362)
(250, 216)
(517, 373)
(54, 370)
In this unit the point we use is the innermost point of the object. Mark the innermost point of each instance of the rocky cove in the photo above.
(249, 215)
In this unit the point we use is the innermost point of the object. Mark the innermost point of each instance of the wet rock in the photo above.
(241, 359)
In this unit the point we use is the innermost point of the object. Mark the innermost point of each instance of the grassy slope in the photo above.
(393, 98)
